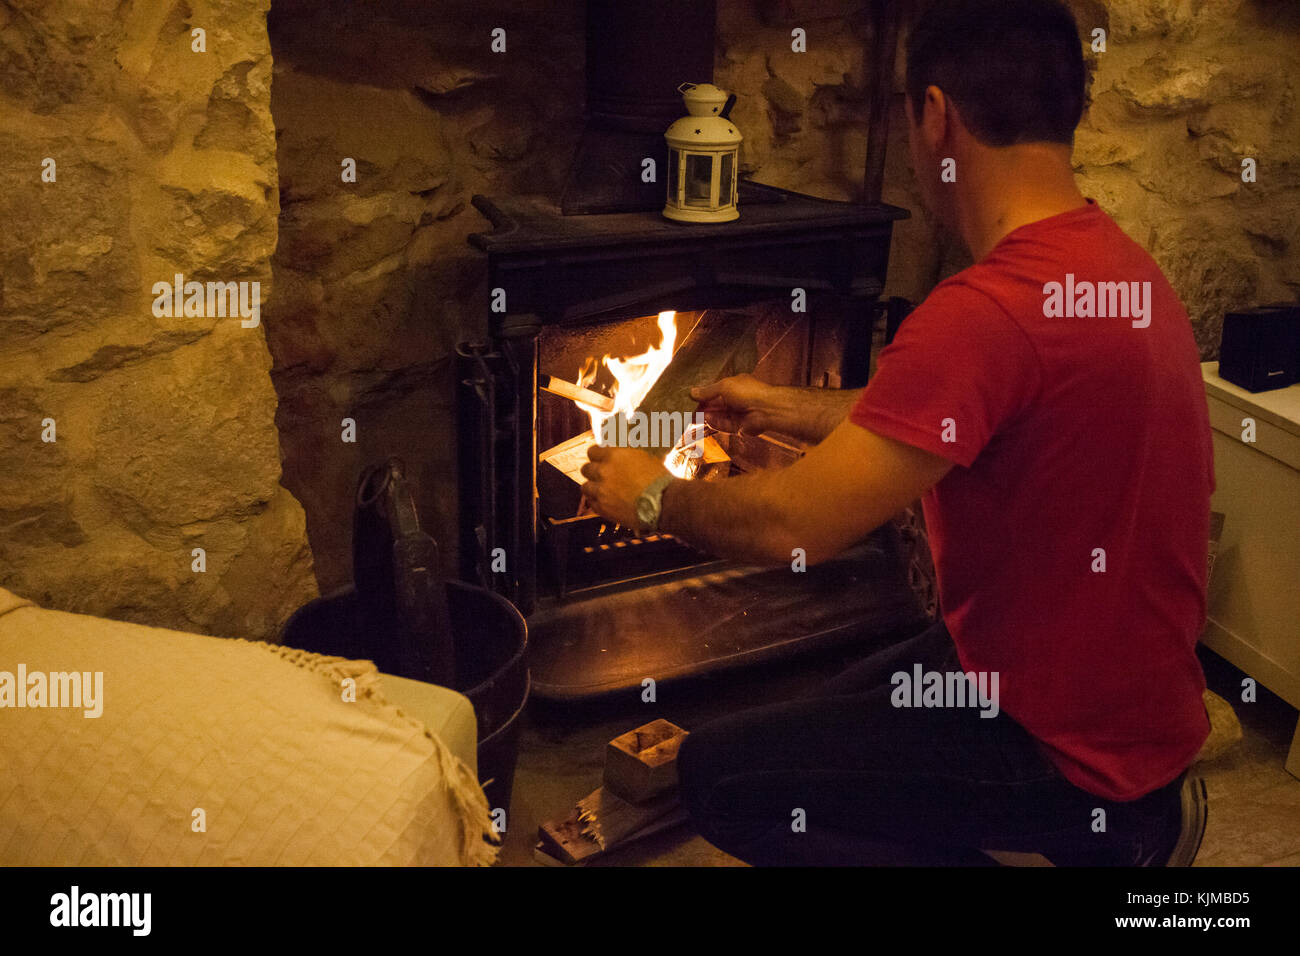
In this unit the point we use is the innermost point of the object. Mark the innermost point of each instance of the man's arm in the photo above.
(812, 413)
(830, 499)
(827, 501)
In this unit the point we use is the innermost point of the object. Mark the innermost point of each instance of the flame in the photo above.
(633, 376)
(678, 464)
(679, 461)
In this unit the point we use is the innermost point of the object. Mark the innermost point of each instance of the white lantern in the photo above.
(703, 157)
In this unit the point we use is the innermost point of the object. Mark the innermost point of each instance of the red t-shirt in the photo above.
(1077, 439)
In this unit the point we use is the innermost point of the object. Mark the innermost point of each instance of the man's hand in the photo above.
(745, 405)
(741, 404)
(615, 479)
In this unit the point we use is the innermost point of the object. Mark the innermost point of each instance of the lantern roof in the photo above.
(707, 132)
(703, 99)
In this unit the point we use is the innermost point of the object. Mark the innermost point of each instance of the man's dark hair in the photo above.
(1014, 68)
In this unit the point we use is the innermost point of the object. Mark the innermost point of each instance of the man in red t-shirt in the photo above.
(1047, 403)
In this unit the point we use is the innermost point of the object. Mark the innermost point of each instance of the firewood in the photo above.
(575, 393)
(610, 820)
(546, 850)
(564, 840)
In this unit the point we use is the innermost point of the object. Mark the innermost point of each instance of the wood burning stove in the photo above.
(606, 607)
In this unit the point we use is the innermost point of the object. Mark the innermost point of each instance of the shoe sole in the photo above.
(1195, 808)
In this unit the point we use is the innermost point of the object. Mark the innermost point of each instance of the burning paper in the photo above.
(569, 456)
(619, 420)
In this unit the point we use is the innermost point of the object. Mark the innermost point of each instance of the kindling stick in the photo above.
(574, 393)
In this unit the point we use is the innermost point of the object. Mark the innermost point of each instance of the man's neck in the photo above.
(1010, 187)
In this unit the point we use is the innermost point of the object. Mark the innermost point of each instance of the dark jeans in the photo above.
(887, 785)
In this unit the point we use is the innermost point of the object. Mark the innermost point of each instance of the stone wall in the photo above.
(376, 283)
(163, 432)
(1184, 92)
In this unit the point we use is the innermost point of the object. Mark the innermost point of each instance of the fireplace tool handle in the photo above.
(397, 570)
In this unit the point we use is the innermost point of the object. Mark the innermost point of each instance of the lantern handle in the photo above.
(685, 86)
(726, 107)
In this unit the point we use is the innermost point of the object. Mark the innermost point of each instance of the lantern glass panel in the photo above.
(673, 170)
(726, 181)
(699, 180)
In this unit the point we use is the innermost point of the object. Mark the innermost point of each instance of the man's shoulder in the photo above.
(972, 296)
(1017, 279)
(968, 314)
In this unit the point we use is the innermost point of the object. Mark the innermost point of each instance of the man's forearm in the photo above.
(747, 518)
(740, 518)
(810, 413)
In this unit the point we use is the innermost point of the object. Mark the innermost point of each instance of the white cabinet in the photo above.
(1254, 615)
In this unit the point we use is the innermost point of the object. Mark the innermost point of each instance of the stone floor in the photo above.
(1254, 804)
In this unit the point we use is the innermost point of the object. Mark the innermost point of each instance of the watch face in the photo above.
(645, 510)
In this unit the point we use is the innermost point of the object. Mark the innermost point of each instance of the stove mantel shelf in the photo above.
(557, 268)
(533, 224)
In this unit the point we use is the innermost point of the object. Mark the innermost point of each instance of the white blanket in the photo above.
(211, 752)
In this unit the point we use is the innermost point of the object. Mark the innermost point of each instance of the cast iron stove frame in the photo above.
(564, 270)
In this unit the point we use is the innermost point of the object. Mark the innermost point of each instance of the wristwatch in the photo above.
(650, 503)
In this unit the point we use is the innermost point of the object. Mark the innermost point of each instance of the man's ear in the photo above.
(936, 115)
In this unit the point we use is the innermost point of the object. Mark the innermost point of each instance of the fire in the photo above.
(633, 376)
(678, 461)
(678, 464)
